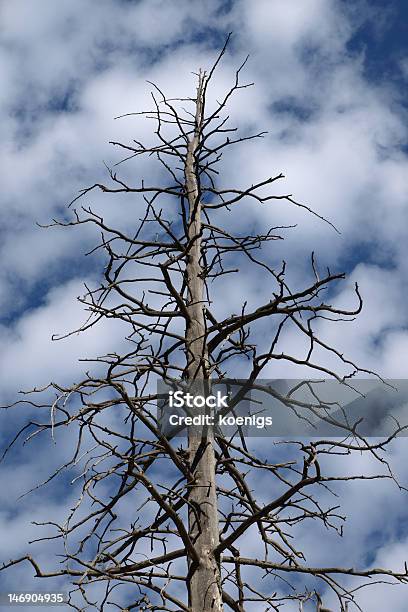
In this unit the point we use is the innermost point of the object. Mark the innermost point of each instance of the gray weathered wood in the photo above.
(204, 580)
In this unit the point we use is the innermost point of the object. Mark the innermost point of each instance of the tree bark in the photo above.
(204, 575)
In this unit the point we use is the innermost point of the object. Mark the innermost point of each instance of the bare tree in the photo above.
(182, 546)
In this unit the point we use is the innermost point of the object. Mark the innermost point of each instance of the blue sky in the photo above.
(331, 80)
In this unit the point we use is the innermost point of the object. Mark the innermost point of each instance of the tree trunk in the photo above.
(204, 575)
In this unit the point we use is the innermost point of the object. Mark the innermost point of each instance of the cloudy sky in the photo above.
(330, 87)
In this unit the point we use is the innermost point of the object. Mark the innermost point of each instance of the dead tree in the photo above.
(182, 546)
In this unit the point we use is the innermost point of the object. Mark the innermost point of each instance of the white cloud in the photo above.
(29, 356)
